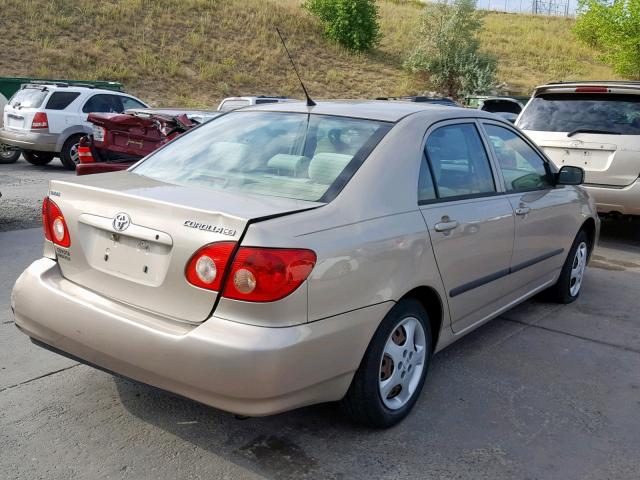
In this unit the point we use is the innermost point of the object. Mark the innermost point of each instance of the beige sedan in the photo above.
(285, 255)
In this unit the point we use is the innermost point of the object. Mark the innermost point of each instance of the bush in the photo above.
(352, 23)
(447, 50)
(613, 27)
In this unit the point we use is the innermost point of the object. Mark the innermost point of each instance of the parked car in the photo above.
(284, 255)
(424, 99)
(505, 107)
(233, 103)
(120, 140)
(10, 85)
(45, 120)
(596, 126)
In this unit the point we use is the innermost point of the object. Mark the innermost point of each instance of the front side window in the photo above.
(459, 163)
(292, 155)
(103, 103)
(574, 112)
(522, 168)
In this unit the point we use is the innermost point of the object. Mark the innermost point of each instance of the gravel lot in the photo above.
(543, 392)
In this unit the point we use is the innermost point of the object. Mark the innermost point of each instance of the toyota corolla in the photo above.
(284, 255)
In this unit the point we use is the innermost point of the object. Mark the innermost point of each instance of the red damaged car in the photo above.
(120, 140)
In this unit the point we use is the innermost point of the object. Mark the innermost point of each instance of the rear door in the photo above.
(598, 131)
(544, 214)
(469, 219)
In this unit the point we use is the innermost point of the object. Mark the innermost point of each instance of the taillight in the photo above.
(40, 120)
(54, 225)
(206, 267)
(592, 89)
(84, 154)
(267, 274)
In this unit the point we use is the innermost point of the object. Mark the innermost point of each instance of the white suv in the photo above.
(47, 120)
(594, 125)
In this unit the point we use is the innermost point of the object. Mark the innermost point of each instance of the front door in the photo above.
(470, 222)
(544, 214)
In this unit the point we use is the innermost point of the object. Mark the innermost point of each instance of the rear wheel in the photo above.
(69, 154)
(567, 289)
(8, 155)
(37, 158)
(392, 372)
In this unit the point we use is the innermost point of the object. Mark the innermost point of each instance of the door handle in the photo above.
(445, 226)
(522, 210)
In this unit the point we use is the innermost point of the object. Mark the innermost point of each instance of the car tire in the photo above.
(69, 154)
(391, 375)
(8, 155)
(37, 158)
(567, 288)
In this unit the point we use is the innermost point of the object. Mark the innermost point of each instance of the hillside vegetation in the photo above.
(194, 52)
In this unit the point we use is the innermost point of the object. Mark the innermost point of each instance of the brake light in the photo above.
(40, 120)
(54, 225)
(592, 90)
(84, 154)
(206, 267)
(267, 274)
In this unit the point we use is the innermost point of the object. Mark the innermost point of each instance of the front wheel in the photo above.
(37, 158)
(392, 372)
(8, 154)
(567, 288)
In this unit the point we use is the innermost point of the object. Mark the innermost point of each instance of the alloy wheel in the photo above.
(577, 269)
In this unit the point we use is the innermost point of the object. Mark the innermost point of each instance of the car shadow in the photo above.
(277, 446)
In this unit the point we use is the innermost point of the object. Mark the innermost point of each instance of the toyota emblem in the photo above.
(121, 222)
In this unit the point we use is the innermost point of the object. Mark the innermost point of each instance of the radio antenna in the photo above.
(310, 102)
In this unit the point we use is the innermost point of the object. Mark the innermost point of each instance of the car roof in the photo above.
(369, 109)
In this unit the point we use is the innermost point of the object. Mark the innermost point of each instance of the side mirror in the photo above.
(569, 175)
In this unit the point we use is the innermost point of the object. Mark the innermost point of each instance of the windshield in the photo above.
(617, 114)
(292, 155)
(28, 98)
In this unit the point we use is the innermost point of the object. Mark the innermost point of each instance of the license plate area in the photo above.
(139, 260)
(15, 121)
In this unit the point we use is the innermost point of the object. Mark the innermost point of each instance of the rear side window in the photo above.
(61, 100)
(522, 168)
(229, 105)
(28, 98)
(569, 112)
(459, 163)
(103, 103)
(501, 106)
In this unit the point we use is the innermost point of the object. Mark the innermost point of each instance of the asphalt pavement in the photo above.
(543, 392)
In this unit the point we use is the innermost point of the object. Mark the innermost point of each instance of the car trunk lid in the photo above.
(143, 265)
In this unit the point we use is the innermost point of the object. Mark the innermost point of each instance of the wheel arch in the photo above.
(432, 303)
(589, 227)
(68, 133)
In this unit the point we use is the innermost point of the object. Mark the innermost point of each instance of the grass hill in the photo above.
(194, 52)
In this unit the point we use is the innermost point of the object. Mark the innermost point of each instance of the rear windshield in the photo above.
(292, 155)
(28, 98)
(617, 114)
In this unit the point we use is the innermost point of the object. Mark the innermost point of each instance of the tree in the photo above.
(613, 26)
(352, 23)
(447, 49)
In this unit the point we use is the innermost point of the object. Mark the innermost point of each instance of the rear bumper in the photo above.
(27, 140)
(236, 367)
(624, 200)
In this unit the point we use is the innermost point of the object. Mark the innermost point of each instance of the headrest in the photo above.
(325, 167)
(228, 155)
(289, 164)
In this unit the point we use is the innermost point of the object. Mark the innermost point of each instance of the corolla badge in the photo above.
(121, 222)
